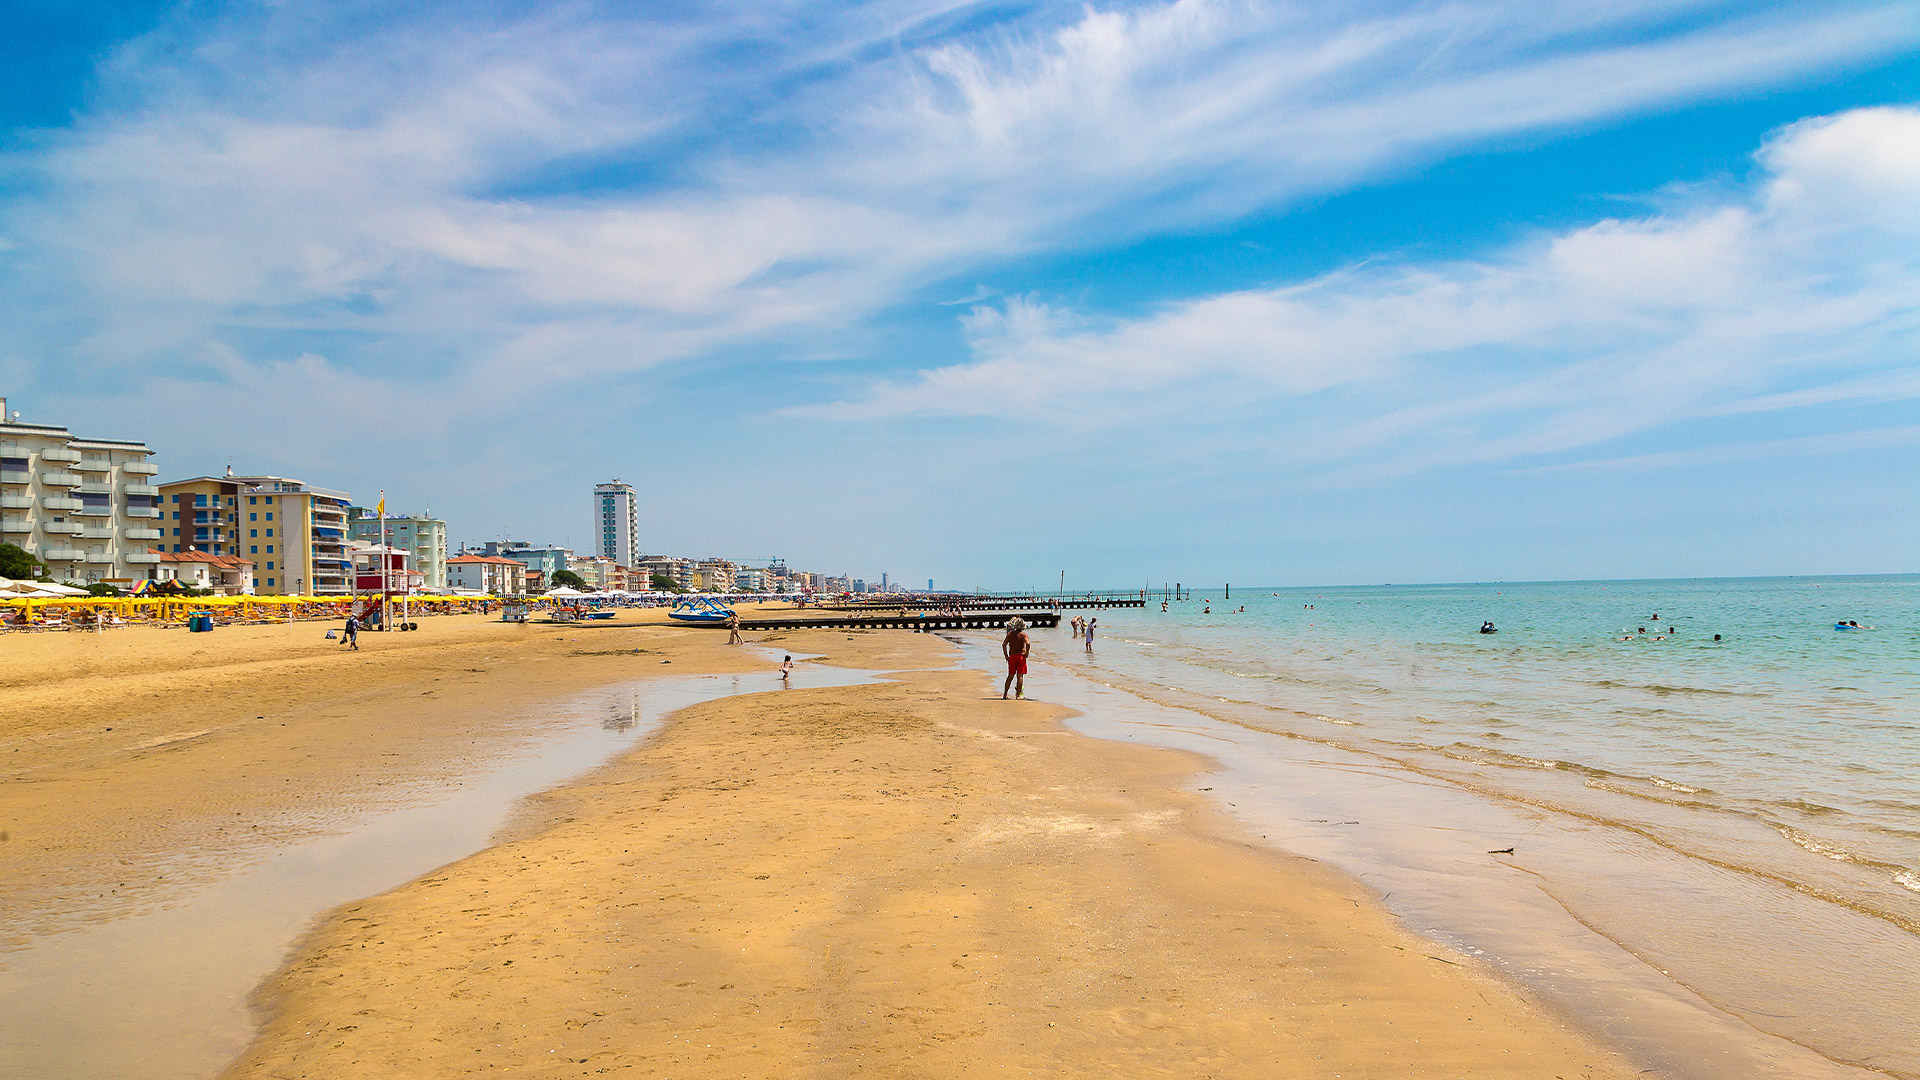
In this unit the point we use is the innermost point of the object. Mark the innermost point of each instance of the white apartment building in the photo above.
(423, 537)
(86, 508)
(596, 570)
(679, 571)
(617, 519)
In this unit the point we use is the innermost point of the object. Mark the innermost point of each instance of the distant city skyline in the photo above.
(1198, 290)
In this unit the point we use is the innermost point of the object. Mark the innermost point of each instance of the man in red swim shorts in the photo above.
(1015, 648)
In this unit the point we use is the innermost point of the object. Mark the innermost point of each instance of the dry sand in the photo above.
(911, 878)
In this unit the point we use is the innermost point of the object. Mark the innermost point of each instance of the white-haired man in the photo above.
(1015, 647)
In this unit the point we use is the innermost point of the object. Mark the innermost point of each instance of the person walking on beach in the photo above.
(786, 670)
(733, 630)
(352, 635)
(1091, 623)
(1015, 647)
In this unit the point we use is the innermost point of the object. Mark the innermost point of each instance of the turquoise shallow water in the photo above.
(1749, 809)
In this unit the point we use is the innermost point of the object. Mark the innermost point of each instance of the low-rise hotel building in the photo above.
(295, 534)
(85, 508)
(493, 574)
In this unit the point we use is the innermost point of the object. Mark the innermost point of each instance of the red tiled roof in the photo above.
(231, 562)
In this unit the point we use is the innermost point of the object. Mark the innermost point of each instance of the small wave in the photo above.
(1337, 720)
(1673, 786)
(1806, 807)
(1816, 846)
(1663, 689)
(1907, 879)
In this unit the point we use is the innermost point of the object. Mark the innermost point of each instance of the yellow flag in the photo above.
(381, 509)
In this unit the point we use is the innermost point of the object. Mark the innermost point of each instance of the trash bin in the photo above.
(199, 624)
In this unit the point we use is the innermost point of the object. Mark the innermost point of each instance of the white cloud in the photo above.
(1801, 291)
(430, 180)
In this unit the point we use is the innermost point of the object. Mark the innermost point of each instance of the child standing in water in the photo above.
(786, 670)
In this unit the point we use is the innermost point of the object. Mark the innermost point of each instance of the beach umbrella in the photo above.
(52, 589)
(565, 591)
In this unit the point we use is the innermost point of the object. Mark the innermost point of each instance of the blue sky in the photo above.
(1206, 291)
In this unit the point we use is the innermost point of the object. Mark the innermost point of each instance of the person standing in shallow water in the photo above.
(1015, 647)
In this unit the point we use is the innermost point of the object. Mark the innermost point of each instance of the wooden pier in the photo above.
(983, 620)
(991, 603)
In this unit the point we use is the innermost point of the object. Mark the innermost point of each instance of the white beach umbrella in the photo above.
(565, 591)
(52, 589)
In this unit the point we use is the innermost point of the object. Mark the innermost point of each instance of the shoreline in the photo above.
(1424, 845)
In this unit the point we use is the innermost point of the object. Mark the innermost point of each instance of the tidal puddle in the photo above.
(163, 996)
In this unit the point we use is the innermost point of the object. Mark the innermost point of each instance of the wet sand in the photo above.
(910, 877)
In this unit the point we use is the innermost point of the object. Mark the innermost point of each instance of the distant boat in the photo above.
(701, 611)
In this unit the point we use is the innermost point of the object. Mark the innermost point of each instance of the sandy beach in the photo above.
(906, 877)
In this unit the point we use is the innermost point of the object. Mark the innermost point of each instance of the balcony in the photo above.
(140, 489)
(15, 525)
(139, 468)
(96, 532)
(16, 502)
(12, 476)
(60, 479)
(143, 511)
(91, 465)
(62, 528)
(63, 555)
(59, 502)
(100, 556)
(142, 558)
(142, 534)
(95, 509)
(59, 453)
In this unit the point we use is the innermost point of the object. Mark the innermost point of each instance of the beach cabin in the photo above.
(226, 575)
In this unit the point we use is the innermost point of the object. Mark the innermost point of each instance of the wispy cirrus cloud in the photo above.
(597, 193)
(1802, 290)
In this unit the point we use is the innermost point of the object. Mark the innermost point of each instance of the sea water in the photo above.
(1741, 815)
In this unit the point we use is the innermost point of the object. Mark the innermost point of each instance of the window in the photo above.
(176, 513)
(252, 499)
(269, 532)
(269, 549)
(253, 517)
(269, 566)
(255, 532)
(269, 580)
(176, 532)
(176, 498)
(255, 551)
(176, 547)
(269, 514)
